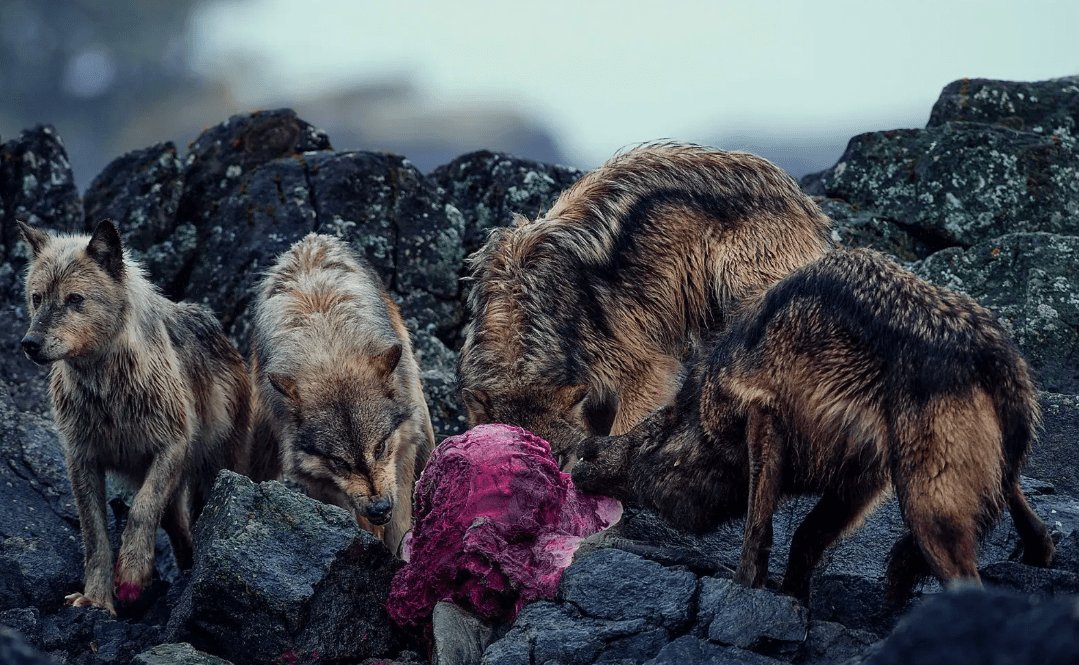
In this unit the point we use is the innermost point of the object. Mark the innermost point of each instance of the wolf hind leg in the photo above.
(177, 524)
(1038, 547)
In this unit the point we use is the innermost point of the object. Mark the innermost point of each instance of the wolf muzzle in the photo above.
(31, 346)
(378, 512)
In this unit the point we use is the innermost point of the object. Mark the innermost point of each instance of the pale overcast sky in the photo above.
(604, 74)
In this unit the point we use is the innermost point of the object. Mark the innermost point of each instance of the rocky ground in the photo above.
(984, 200)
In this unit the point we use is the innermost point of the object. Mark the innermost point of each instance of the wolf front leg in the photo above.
(163, 481)
(88, 487)
(765, 476)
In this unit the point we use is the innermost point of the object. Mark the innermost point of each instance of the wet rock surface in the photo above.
(984, 200)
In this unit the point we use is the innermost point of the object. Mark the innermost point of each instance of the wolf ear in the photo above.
(104, 248)
(35, 238)
(286, 385)
(477, 404)
(385, 362)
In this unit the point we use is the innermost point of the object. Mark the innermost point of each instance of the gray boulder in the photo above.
(735, 615)
(1031, 281)
(1042, 107)
(960, 183)
(140, 192)
(177, 654)
(280, 576)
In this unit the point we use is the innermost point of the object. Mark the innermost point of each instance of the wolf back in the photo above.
(581, 319)
(850, 376)
(338, 400)
(148, 389)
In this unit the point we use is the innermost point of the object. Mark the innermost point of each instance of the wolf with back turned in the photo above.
(581, 319)
(148, 389)
(338, 400)
(850, 376)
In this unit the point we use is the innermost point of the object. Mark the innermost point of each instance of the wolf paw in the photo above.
(77, 599)
(129, 584)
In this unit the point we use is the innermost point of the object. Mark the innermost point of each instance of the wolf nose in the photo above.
(31, 344)
(379, 511)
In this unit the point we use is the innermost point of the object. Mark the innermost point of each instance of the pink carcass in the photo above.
(496, 523)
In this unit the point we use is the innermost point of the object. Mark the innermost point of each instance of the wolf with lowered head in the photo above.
(848, 378)
(338, 400)
(142, 387)
(582, 318)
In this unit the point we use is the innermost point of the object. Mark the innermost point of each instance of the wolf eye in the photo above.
(339, 465)
(380, 450)
(74, 299)
(36, 299)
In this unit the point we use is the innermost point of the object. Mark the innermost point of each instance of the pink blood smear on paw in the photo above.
(129, 592)
(496, 523)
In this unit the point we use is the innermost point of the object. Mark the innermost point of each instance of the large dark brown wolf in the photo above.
(338, 400)
(850, 376)
(143, 387)
(582, 318)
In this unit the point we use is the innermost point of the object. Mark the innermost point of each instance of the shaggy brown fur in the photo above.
(339, 405)
(145, 388)
(850, 376)
(602, 297)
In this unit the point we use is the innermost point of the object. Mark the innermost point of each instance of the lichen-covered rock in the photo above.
(489, 188)
(37, 186)
(439, 376)
(689, 649)
(140, 192)
(222, 159)
(279, 576)
(864, 228)
(253, 226)
(1031, 281)
(960, 183)
(1043, 107)
(395, 217)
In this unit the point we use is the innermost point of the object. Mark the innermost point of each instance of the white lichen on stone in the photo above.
(233, 171)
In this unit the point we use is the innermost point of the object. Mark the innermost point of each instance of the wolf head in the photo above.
(352, 432)
(75, 292)
(561, 415)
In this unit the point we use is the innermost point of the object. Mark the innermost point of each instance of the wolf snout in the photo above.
(31, 346)
(379, 511)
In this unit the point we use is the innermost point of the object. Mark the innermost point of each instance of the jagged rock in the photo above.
(459, 636)
(439, 376)
(36, 187)
(735, 615)
(222, 159)
(140, 192)
(1043, 107)
(254, 225)
(976, 626)
(1055, 456)
(15, 651)
(864, 228)
(488, 188)
(396, 217)
(1030, 580)
(1031, 282)
(177, 654)
(831, 643)
(40, 549)
(279, 575)
(87, 636)
(960, 183)
(546, 631)
(689, 649)
(619, 586)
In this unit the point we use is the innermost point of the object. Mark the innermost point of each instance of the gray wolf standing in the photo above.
(143, 387)
(581, 319)
(338, 400)
(850, 376)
